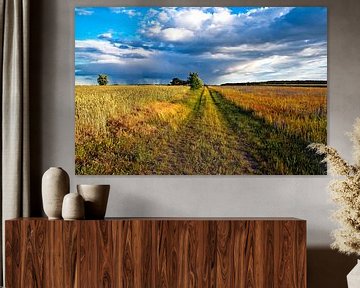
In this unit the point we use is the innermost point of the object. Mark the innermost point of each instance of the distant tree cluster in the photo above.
(193, 80)
(177, 81)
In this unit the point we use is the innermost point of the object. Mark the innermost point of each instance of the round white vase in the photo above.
(96, 198)
(73, 207)
(353, 278)
(55, 185)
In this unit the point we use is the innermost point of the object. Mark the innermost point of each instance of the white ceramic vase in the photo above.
(96, 198)
(73, 207)
(353, 278)
(55, 185)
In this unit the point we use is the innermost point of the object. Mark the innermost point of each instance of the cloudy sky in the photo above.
(228, 44)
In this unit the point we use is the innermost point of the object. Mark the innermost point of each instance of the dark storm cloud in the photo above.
(301, 23)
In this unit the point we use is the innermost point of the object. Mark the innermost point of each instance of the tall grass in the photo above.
(96, 107)
(114, 126)
(298, 111)
(272, 149)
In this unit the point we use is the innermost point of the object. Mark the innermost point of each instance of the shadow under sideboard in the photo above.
(328, 268)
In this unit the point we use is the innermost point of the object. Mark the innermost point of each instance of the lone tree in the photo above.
(102, 79)
(195, 81)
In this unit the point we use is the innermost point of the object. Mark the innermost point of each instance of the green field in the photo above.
(172, 130)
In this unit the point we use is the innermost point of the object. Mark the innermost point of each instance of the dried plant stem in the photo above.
(345, 192)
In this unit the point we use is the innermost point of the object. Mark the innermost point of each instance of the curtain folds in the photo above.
(15, 174)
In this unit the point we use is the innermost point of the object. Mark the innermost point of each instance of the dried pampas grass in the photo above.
(345, 191)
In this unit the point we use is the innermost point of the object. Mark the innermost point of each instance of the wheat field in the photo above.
(173, 130)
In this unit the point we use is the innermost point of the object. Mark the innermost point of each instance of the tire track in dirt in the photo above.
(206, 144)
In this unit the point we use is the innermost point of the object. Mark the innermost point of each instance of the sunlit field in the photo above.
(228, 130)
(299, 111)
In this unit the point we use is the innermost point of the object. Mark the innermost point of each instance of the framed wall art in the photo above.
(200, 90)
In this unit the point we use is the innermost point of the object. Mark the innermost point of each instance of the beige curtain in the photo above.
(14, 38)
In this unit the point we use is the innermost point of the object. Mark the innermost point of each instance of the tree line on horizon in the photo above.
(194, 81)
(313, 83)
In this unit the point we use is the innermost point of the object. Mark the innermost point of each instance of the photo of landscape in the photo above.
(200, 90)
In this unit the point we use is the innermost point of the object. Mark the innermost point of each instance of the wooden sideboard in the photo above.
(156, 252)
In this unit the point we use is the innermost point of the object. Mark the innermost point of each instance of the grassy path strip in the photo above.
(274, 151)
(205, 144)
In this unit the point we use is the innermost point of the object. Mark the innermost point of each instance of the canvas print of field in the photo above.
(200, 90)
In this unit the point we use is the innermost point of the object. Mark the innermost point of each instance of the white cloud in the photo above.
(177, 34)
(207, 23)
(124, 10)
(154, 30)
(313, 51)
(266, 14)
(190, 18)
(216, 56)
(267, 64)
(261, 47)
(85, 80)
(83, 11)
(110, 59)
(103, 51)
(163, 16)
(222, 17)
(306, 69)
(276, 67)
(100, 45)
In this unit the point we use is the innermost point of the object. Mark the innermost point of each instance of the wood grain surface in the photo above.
(157, 253)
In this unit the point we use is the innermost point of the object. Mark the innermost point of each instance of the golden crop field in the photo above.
(171, 130)
(299, 111)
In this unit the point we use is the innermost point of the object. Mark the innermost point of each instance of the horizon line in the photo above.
(225, 83)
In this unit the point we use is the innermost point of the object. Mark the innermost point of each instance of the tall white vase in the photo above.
(353, 278)
(55, 185)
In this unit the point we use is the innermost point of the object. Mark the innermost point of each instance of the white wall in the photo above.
(52, 123)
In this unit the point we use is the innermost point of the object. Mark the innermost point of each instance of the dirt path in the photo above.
(206, 144)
